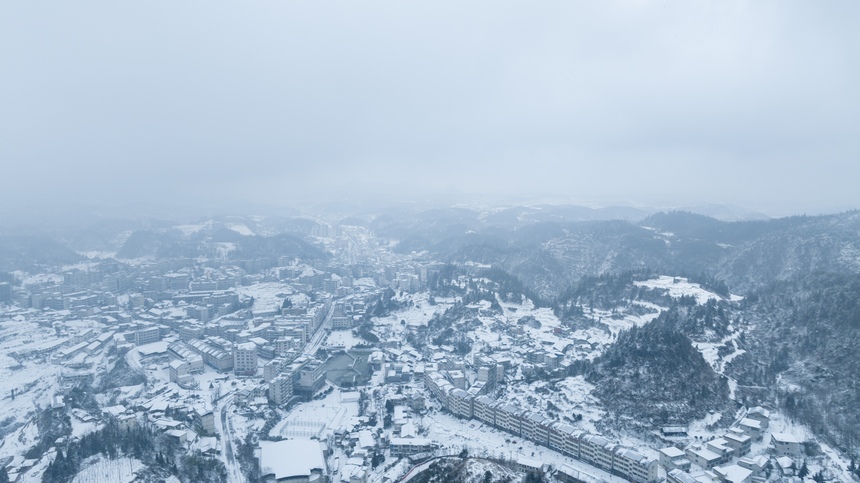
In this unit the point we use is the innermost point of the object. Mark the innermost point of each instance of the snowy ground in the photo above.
(101, 470)
(35, 382)
(415, 316)
(572, 396)
(317, 418)
(344, 338)
(240, 228)
(267, 296)
(189, 230)
(678, 287)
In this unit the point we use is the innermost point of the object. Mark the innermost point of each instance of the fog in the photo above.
(667, 103)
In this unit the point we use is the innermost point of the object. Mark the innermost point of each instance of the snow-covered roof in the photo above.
(740, 438)
(114, 410)
(247, 346)
(672, 452)
(159, 347)
(528, 462)
(784, 438)
(733, 473)
(365, 439)
(705, 454)
(750, 423)
(411, 441)
(681, 477)
(408, 431)
(759, 411)
(291, 458)
(784, 462)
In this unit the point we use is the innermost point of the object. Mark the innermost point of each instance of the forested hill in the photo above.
(653, 375)
(803, 346)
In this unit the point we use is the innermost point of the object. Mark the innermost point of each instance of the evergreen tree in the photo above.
(804, 470)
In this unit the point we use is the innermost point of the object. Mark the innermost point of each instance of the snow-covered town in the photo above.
(368, 367)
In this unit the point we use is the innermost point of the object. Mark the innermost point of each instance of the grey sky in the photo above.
(753, 103)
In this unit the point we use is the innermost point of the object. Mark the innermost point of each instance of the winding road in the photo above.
(228, 453)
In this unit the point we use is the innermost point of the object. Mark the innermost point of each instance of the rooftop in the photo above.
(290, 458)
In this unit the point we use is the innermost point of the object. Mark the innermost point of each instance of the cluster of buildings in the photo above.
(300, 377)
(716, 458)
(556, 435)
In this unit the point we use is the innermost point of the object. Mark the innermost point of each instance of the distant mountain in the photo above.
(28, 252)
(727, 212)
(205, 240)
(157, 243)
(552, 256)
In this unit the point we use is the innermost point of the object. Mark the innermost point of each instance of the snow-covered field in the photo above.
(267, 296)
(678, 287)
(34, 381)
(344, 338)
(103, 470)
(415, 316)
(240, 228)
(317, 418)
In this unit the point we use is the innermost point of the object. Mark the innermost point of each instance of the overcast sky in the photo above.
(751, 103)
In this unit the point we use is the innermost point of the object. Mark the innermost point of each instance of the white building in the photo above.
(180, 372)
(672, 458)
(292, 460)
(785, 444)
(245, 359)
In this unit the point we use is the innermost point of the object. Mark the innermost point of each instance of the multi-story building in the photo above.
(484, 409)
(180, 372)
(284, 345)
(633, 465)
(738, 442)
(590, 447)
(5, 292)
(721, 447)
(203, 313)
(205, 421)
(273, 369)
(785, 444)
(409, 446)
(215, 356)
(191, 330)
(460, 403)
(761, 415)
(508, 418)
(593, 449)
(310, 378)
(703, 457)
(147, 335)
(672, 458)
(281, 388)
(536, 428)
(752, 428)
(180, 351)
(245, 359)
(177, 281)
